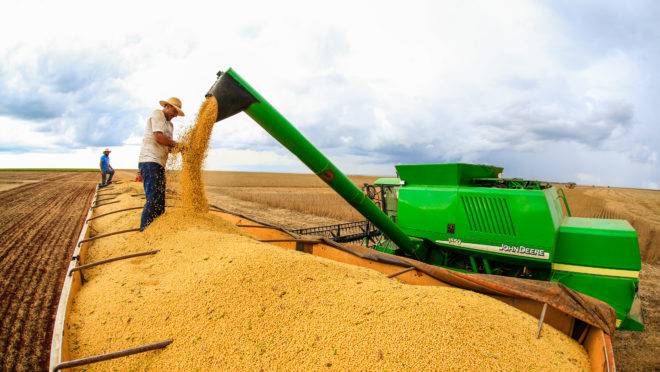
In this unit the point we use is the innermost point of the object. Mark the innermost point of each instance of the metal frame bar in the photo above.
(109, 193)
(343, 233)
(305, 241)
(395, 274)
(329, 228)
(562, 195)
(112, 259)
(107, 234)
(541, 319)
(104, 204)
(120, 210)
(112, 355)
(607, 358)
(110, 198)
(117, 211)
(258, 226)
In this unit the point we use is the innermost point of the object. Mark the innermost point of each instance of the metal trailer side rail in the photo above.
(62, 307)
(112, 355)
(343, 232)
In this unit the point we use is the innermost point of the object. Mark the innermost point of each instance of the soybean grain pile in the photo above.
(231, 302)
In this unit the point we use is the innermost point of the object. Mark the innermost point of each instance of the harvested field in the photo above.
(631, 348)
(266, 179)
(40, 218)
(13, 179)
(322, 202)
(230, 302)
(303, 193)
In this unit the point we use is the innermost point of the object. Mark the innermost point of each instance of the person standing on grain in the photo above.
(156, 146)
(107, 171)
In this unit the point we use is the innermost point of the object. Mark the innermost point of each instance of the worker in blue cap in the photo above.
(106, 169)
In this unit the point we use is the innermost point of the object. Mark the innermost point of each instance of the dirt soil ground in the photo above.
(10, 180)
(41, 215)
(274, 216)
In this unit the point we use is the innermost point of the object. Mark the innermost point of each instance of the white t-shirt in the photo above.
(151, 150)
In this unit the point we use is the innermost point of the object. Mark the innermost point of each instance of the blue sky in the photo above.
(563, 91)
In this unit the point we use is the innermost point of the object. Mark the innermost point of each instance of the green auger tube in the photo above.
(235, 95)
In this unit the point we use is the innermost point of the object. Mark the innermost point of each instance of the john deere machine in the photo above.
(466, 217)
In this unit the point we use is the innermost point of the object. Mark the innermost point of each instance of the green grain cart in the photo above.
(465, 217)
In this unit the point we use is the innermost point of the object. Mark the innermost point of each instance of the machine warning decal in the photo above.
(504, 248)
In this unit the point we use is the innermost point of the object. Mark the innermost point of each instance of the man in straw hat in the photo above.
(107, 171)
(156, 146)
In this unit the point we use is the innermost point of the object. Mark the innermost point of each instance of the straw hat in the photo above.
(107, 150)
(174, 102)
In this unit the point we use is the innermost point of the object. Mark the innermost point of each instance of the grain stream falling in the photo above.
(196, 142)
(230, 302)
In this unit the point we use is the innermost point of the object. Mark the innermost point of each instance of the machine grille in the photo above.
(488, 215)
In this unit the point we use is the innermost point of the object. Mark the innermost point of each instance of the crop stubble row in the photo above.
(39, 223)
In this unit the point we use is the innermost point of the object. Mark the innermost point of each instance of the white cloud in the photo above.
(588, 179)
(372, 86)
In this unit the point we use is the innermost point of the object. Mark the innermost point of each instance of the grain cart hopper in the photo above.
(467, 218)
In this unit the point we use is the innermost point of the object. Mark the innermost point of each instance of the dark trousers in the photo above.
(153, 180)
(106, 176)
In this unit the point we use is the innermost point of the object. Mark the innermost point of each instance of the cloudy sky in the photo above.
(557, 90)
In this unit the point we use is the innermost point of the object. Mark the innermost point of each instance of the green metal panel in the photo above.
(515, 218)
(388, 181)
(598, 243)
(483, 216)
(616, 291)
(391, 200)
(424, 211)
(445, 174)
(554, 205)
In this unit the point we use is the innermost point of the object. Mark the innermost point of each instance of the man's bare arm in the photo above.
(164, 140)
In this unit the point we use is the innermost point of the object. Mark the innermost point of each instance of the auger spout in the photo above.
(235, 95)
